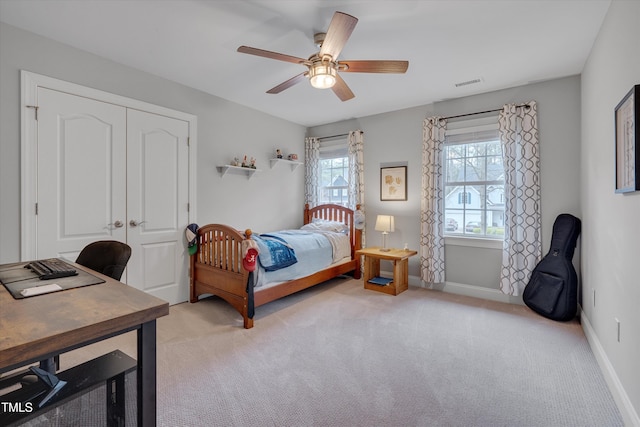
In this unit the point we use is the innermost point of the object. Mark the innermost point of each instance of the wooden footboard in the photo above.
(216, 268)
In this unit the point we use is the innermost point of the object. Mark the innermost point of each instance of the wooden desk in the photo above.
(40, 327)
(399, 257)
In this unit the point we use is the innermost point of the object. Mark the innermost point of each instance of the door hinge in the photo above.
(188, 141)
(35, 107)
(36, 208)
(188, 207)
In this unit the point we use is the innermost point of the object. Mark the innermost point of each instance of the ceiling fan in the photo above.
(323, 66)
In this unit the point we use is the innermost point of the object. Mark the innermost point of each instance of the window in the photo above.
(474, 183)
(464, 197)
(334, 173)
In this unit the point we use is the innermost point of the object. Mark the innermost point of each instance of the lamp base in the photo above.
(384, 242)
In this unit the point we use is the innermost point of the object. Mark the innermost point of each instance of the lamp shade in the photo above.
(385, 223)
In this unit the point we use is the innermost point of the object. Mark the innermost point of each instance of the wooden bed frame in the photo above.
(216, 268)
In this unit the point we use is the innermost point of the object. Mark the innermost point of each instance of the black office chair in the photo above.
(106, 256)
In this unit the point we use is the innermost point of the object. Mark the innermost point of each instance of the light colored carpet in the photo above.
(340, 355)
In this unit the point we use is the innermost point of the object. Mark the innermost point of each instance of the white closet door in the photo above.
(81, 164)
(157, 204)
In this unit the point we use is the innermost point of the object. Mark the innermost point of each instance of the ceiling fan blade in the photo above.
(375, 66)
(286, 85)
(339, 31)
(269, 54)
(342, 90)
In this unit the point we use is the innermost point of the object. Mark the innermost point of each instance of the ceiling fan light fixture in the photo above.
(323, 66)
(322, 75)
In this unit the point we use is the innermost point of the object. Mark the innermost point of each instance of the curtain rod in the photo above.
(341, 135)
(481, 112)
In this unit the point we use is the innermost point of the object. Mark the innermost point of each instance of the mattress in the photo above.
(314, 251)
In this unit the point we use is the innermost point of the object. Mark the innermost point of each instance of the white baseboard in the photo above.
(629, 414)
(467, 290)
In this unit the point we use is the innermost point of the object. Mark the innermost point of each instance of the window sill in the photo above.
(474, 242)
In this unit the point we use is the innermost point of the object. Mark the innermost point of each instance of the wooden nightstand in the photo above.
(400, 259)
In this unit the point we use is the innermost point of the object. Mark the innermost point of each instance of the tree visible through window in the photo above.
(474, 185)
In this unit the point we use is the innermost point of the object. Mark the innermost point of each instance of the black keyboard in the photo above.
(51, 268)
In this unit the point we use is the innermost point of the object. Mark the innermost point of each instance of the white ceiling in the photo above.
(504, 43)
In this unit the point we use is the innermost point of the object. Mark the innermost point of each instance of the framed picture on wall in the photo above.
(393, 183)
(627, 116)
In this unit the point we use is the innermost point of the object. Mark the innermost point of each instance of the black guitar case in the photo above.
(552, 290)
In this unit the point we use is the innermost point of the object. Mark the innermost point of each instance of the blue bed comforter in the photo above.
(313, 252)
(274, 252)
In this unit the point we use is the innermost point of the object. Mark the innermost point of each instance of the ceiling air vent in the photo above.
(468, 82)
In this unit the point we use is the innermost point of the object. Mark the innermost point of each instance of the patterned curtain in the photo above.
(518, 127)
(432, 203)
(356, 173)
(312, 176)
(356, 169)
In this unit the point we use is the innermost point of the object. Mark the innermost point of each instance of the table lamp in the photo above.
(385, 223)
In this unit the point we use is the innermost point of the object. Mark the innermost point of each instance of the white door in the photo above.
(157, 204)
(81, 163)
(107, 172)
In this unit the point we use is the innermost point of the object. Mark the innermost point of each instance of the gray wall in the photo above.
(397, 137)
(611, 230)
(225, 130)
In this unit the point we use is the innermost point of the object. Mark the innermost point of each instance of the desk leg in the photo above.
(147, 374)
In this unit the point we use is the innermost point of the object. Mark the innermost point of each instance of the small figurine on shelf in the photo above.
(293, 157)
(244, 162)
(253, 163)
(278, 154)
(235, 162)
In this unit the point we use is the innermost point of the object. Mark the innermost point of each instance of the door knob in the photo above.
(117, 224)
(135, 223)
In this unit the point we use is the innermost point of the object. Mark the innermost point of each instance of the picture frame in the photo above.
(627, 155)
(393, 183)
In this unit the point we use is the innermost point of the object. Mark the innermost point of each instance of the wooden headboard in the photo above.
(338, 213)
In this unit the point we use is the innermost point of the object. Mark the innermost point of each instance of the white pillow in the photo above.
(326, 225)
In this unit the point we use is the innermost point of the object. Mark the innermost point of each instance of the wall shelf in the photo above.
(237, 169)
(294, 164)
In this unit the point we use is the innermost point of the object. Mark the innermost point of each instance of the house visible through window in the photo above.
(334, 172)
(473, 183)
